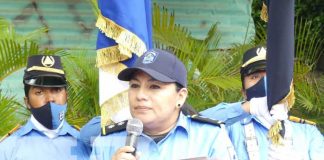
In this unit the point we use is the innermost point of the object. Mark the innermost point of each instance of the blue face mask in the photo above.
(50, 115)
(257, 90)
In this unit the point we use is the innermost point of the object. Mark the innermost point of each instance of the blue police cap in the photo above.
(160, 65)
(254, 60)
(44, 71)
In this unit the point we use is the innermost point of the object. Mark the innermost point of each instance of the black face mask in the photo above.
(257, 90)
(50, 115)
(43, 115)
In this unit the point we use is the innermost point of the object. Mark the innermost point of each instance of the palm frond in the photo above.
(308, 45)
(15, 48)
(95, 8)
(7, 31)
(83, 102)
(210, 79)
(11, 114)
(13, 55)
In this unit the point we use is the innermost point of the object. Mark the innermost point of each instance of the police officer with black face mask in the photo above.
(46, 135)
(253, 77)
(251, 119)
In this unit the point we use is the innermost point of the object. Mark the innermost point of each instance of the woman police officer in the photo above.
(157, 91)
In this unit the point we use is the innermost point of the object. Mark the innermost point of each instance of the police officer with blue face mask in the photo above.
(249, 134)
(46, 135)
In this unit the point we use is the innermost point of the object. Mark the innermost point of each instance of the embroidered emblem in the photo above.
(48, 61)
(149, 57)
(61, 116)
(261, 51)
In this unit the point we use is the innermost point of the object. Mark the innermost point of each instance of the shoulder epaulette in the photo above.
(206, 120)
(76, 127)
(10, 132)
(300, 120)
(116, 127)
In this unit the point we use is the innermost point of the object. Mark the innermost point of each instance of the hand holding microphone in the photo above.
(134, 129)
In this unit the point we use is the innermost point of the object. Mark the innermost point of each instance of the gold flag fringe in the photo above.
(114, 68)
(110, 55)
(264, 12)
(290, 98)
(111, 106)
(126, 40)
(108, 59)
(274, 134)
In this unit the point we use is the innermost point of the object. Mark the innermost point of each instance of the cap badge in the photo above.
(261, 51)
(48, 61)
(149, 57)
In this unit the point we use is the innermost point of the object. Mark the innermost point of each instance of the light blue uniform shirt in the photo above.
(90, 131)
(187, 139)
(226, 112)
(28, 143)
(306, 139)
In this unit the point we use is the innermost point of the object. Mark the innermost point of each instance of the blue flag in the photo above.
(280, 61)
(125, 33)
(280, 47)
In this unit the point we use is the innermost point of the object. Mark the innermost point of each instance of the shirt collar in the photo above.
(248, 119)
(182, 123)
(50, 133)
(28, 127)
(251, 118)
(68, 129)
(65, 129)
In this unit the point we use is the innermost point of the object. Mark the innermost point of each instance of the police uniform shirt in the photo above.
(188, 139)
(306, 139)
(226, 112)
(28, 143)
(90, 131)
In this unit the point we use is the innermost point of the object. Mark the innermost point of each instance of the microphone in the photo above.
(134, 128)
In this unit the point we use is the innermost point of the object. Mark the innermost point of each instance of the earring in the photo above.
(179, 105)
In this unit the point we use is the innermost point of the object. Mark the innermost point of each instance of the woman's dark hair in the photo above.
(186, 108)
(178, 87)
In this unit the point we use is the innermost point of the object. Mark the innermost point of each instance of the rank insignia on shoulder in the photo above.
(300, 120)
(10, 132)
(202, 119)
(116, 127)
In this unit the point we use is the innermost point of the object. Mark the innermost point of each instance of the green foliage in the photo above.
(14, 51)
(12, 113)
(311, 10)
(309, 97)
(83, 90)
(308, 48)
(210, 80)
(309, 44)
(95, 8)
(13, 55)
(81, 72)
(213, 75)
(14, 48)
